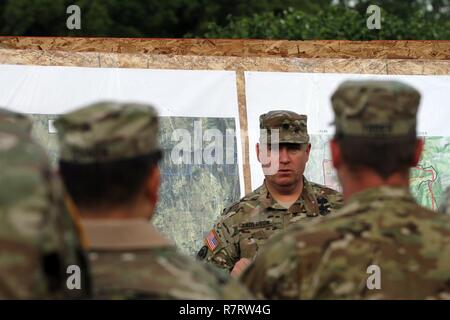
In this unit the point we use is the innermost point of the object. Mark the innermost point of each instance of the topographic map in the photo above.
(192, 196)
(428, 179)
(432, 175)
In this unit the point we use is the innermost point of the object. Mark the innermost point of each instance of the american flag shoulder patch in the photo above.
(212, 240)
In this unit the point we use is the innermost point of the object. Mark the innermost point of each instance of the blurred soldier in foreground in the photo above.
(445, 202)
(109, 163)
(285, 197)
(15, 120)
(37, 239)
(381, 244)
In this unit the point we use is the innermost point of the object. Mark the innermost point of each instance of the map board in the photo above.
(309, 93)
(193, 193)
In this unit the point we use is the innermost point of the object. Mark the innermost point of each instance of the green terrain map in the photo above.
(192, 196)
(428, 179)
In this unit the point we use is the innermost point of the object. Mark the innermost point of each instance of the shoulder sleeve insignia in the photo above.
(212, 240)
(202, 253)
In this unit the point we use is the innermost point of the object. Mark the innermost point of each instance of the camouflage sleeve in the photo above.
(230, 288)
(336, 201)
(234, 290)
(221, 246)
(273, 274)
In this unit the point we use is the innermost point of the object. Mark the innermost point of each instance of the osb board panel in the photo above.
(411, 67)
(123, 61)
(436, 68)
(49, 58)
(436, 50)
(114, 60)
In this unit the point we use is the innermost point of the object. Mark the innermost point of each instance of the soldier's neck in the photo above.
(132, 211)
(285, 195)
(355, 182)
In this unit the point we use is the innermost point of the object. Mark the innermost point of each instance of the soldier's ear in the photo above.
(308, 149)
(336, 154)
(257, 152)
(417, 152)
(152, 185)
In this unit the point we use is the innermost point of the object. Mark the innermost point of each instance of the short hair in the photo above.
(384, 156)
(105, 185)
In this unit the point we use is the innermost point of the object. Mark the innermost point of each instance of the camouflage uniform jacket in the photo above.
(131, 260)
(333, 259)
(37, 239)
(248, 223)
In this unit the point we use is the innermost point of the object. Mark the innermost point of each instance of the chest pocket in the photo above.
(259, 228)
(254, 234)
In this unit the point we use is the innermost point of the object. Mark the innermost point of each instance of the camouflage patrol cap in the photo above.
(108, 131)
(15, 120)
(292, 126)
(375, 109)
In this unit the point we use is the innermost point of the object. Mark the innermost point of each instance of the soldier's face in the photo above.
(286, 165)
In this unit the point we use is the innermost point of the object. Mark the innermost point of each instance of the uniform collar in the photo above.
(269, 202)
(122, 234)
(382, 193)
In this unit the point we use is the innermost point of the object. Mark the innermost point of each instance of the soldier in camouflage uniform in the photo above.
(36, 241)
(16, 120)
(381, 244)
(285, 197)
(109, 163)
(445, 202)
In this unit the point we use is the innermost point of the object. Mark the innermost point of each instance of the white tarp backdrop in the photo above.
(186, 93)
(309, 93)
(183, 93)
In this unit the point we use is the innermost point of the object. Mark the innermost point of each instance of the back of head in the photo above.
(376, 124)
(107, 150)
(31, 264)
